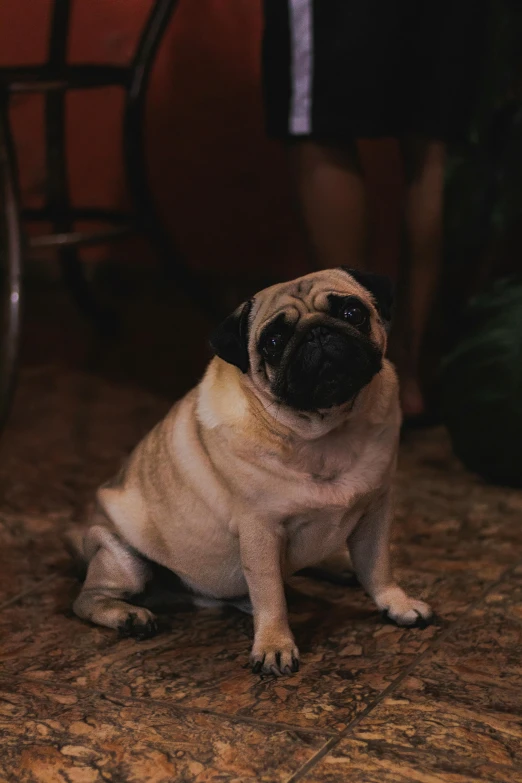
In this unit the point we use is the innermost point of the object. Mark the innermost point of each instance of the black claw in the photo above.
(275, 669)
(125, 629)
(420, 623)
(146, 631)
(423, 622)
(133, 628)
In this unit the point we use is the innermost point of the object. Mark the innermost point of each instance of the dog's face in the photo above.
(314, 343)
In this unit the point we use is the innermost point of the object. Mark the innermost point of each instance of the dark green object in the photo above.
(481, 386)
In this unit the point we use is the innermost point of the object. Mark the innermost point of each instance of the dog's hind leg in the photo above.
(114, 574)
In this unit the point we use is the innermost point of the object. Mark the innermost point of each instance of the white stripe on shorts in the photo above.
(300, 119)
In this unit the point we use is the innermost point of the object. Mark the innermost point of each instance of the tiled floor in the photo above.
(371, 703)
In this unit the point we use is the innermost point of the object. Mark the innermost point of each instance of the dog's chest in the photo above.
(337, 475)
(314, 536)
(335, 490)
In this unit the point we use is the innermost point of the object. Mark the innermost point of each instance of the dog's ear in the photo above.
(229, 340)
(381, 288)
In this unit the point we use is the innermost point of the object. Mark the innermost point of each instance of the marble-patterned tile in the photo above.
(480, 560)
(478, 726)
(348, 658)
(439, 503)
(457, 716)
(67, 433)
(448, 521)
(25, 701)
(480, 661)
(30, 552)
(42, 639)
(94, 738)
(375, 761)
(348, 655)
(505, 599)
(443, 724)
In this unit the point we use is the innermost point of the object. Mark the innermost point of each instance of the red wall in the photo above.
(221, 186)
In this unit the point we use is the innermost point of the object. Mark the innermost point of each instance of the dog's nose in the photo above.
(317, 333)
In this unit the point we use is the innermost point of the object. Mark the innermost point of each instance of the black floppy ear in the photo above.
(381, 288)
(229, 340)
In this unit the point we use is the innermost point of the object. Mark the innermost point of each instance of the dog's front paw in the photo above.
(274, 653)
(403, 610)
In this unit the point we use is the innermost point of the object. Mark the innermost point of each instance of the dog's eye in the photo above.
(351, 310)
(272, 347)
(354, 314)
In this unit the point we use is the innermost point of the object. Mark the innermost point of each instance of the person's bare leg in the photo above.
(332, 201)
(424, 165)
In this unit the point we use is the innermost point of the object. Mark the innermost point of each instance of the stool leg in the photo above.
(71, 267)
(11, 260)
(58, 198)
(136, 164)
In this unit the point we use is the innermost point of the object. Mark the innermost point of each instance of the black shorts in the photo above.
(339, 69)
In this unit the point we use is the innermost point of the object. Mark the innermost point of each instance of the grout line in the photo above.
(230, 716)
(334, 741)
(34, 588)
(237, 718)
(117, 699)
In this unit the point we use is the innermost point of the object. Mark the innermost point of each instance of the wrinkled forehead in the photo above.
(306, 295)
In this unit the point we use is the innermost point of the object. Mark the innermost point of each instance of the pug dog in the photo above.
(281, 459)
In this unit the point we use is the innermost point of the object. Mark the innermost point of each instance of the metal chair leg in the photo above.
(72, 269)
(136, 164)
(11, 261)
